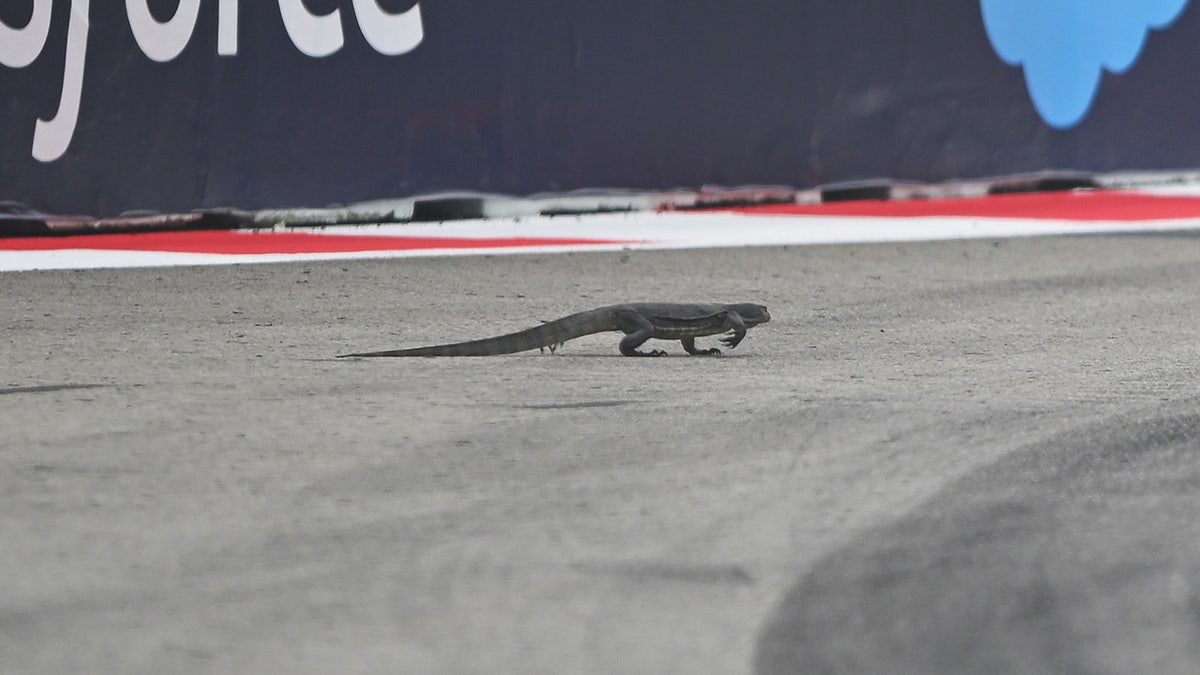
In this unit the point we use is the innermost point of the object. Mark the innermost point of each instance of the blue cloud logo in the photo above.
(1065, 45)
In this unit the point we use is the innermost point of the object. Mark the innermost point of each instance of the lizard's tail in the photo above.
(547, 335)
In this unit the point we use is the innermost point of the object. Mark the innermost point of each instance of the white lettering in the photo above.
(227, 28)
(19, 47)
(314, 35)
(163, 41)
(52, 137)
(389, 34)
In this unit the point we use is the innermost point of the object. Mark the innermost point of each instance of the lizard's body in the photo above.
(638, 321)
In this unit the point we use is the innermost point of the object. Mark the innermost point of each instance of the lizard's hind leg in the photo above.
(637, 329)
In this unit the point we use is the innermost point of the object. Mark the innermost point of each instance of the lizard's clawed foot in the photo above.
(652, 352)
(709, 352)
(730, 341)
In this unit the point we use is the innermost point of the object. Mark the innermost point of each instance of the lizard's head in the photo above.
(752, 314)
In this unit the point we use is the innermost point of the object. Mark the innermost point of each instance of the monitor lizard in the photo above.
(638, 321)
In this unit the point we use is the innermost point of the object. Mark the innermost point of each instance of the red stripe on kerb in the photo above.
(1076, 206)
(233, 242)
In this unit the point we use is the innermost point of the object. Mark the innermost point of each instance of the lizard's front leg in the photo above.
(689, 346)
(733, 322)
(637, 329)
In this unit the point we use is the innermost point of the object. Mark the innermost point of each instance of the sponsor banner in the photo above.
(174, 105)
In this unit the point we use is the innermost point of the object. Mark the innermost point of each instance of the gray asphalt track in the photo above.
(942, 457)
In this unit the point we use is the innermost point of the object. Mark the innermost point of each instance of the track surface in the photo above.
(973, 456)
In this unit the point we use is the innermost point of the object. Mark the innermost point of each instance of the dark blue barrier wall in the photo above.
(552, 96)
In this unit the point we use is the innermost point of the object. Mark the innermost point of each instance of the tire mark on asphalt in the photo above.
(575, 406)
(1079, 554)
(668, 571)
(46, 388)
